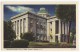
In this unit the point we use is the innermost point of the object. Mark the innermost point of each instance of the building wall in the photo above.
(38, 25)
(51, 25)
(18, 24)
(28, 23)
(62, 30)
(43, 29)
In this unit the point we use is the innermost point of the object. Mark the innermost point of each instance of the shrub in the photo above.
(72, 38)
(19, 44)
(7, 44)
(28, 36)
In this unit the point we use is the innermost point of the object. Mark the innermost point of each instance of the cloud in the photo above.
(20, 9)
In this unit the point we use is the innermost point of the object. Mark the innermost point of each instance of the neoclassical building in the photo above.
(44, 26)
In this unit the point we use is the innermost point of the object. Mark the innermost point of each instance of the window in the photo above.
(56, 26)
(31, 29)
(56, 39)
(50, 22)
(31, 20)
(31, 25)
(37, 22)
(24, 18)
(63, 38)
(51, 29)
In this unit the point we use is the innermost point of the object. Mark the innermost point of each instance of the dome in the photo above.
(42, 10)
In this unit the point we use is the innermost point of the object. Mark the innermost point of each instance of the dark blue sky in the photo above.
(9, 13)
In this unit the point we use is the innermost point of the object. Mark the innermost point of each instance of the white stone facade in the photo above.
(57, 30)
(30, 22)
(42, 25)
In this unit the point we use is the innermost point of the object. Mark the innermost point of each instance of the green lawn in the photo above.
(49, 45)
(37, 44)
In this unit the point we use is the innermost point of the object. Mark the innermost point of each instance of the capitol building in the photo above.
(45, 27)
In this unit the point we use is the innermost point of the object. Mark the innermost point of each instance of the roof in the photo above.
(52, 17)
(21, 14)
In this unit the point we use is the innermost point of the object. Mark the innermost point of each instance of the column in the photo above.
(62, 27)
(48, 31)
(59, 27)
(27, 24)
(66, 31)
(59, 37)
(19, 29)
(22, 25)
(62, 38)
(15, 27)
(16, 30)
(53, 30)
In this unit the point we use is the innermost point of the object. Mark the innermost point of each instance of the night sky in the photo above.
(12, 10)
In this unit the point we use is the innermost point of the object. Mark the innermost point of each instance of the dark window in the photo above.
(51, 29)
(62, 35)
(63, 38)
(50, 22)
(24, 18)
(56, 26)
(56, 39)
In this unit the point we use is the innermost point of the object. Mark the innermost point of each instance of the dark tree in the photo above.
(66, 13)
(28, 36)
(72, 35)
(9, 33)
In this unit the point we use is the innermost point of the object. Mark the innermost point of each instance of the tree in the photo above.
(28, 36)
(71, 38)
(9, 33)
(72, 35)
(66, 13)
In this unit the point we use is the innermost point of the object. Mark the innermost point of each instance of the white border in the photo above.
(78, 29)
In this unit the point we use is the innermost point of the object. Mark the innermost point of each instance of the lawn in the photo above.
(49, 45)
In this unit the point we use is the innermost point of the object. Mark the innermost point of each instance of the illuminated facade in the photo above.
(44, 26)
